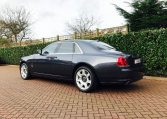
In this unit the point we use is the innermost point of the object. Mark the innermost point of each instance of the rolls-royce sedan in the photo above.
(86, 62)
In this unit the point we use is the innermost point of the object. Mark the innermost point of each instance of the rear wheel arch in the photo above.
(85, 77)
(86, 65)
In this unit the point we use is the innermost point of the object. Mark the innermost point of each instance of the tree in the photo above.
(146, 14)
(16, 21)
(82, 24)
(4, 33)
(4, 42)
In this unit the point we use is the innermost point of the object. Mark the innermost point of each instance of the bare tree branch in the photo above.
(82, 24)
(17, 21)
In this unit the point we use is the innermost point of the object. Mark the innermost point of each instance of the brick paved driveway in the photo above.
(42, 98)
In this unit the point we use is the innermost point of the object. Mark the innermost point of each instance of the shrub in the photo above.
(150, 45)
(13, 55)
(4, 42)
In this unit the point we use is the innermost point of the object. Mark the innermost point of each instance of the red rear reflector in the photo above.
(121, 61)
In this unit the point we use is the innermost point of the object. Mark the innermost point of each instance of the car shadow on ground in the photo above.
(121, 88)
(100, 88)
(3, 64)
(53, 80)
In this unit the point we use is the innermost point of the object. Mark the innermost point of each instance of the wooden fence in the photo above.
(87, 35)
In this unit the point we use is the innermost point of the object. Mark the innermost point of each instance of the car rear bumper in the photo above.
(124, 76)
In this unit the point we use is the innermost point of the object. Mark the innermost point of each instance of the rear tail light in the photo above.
(121, 62)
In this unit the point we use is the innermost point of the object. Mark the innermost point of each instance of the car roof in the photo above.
(78, 40)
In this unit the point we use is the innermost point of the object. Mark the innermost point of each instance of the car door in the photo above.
(43, 62)
(63, 65)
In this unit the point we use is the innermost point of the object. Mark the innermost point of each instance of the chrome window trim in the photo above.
(81, 52)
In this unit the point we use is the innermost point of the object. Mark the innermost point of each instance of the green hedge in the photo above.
(150, 45)
(13, 55)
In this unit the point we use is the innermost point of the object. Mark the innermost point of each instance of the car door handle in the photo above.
(51, 58)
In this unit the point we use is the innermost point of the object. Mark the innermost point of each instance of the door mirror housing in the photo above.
(46, 53)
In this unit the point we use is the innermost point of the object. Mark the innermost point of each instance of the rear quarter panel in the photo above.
(104, 66)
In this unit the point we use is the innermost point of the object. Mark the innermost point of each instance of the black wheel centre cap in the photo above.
(84, 79)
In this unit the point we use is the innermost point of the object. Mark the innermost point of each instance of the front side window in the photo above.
(50, 48)
(66, 48)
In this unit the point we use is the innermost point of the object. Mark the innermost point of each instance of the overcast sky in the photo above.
(50, 16)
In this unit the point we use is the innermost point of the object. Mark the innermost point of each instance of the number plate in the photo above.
(137, 61)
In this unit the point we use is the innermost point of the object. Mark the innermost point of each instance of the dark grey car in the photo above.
(87, 62)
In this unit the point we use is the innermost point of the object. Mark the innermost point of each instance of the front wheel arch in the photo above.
(22, 63)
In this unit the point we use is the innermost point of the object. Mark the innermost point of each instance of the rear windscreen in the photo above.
(102, 46)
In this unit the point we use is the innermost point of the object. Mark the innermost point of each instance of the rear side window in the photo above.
(66, 48)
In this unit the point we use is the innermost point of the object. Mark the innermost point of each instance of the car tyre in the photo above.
(85, 79)
(24, 71)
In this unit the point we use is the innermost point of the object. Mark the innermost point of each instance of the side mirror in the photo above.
(39, 52)
(46, 53)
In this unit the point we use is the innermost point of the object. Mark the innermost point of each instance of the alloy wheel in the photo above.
(83, 79)
(24, 71)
